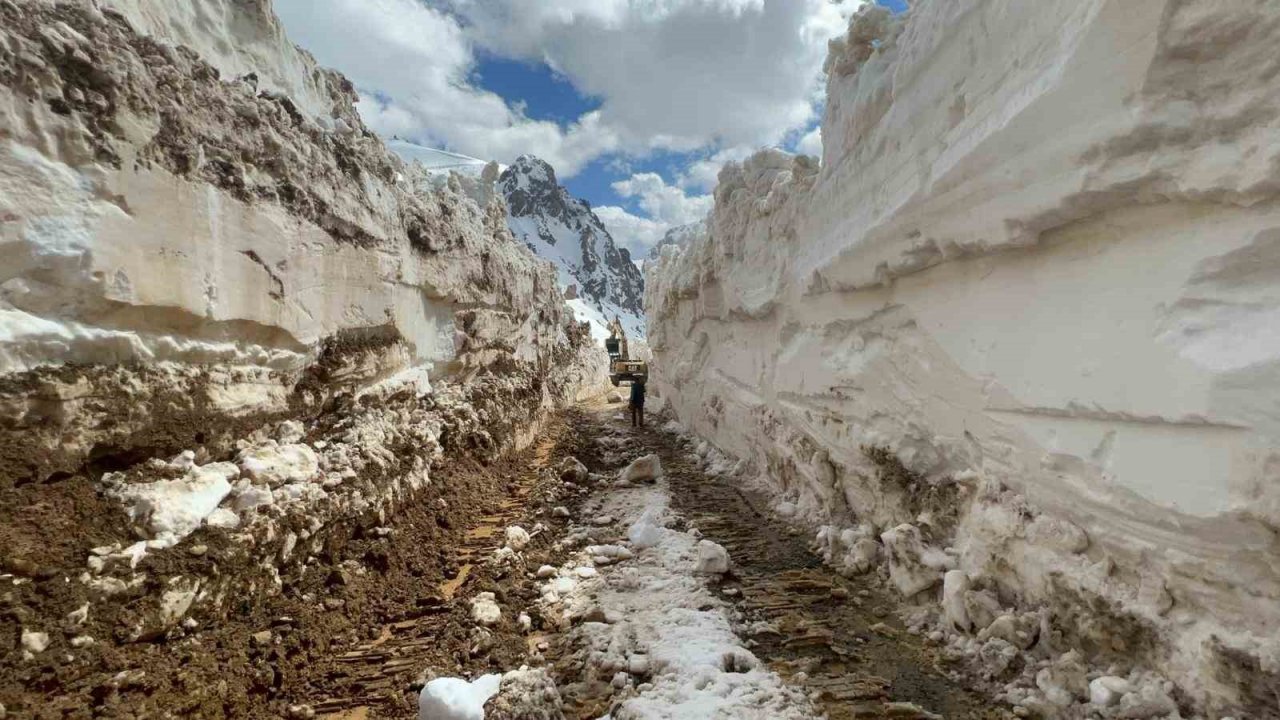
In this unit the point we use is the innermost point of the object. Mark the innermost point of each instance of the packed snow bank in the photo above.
(1027, 305)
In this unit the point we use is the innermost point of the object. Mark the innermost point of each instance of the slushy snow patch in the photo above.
(668, 632)
(451, 698)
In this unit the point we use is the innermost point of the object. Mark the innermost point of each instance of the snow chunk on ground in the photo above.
(646, 531)
(645, 469)
(517, 538)
(713, 559)
(484, 609)
(276, 464)
(525, 694)
(451, 698)
(172, 509)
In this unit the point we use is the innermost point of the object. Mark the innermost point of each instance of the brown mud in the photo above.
(351, 632)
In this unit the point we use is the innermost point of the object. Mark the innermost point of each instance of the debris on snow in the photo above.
(906, 553)
(525, 694)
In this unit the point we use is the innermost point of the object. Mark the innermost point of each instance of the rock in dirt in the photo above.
(614, 397)
(644, 469)
(572, 470)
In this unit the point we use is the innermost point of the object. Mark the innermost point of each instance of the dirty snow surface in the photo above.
(662, 630)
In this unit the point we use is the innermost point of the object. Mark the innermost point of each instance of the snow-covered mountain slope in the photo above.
(680, 236)
(600, 279)
(1021, 323)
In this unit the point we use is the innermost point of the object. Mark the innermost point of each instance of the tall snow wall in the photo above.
(181, 188)
(229, 315)
(1029, 304)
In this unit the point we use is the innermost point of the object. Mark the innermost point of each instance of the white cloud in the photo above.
(664, 203)
(411, 64)
(632, 232)
(676, 74)
(811, 143)
(666, 206)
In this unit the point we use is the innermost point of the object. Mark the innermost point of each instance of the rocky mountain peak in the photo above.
(563, 229)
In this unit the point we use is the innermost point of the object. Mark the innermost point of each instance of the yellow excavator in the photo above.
(621, 367)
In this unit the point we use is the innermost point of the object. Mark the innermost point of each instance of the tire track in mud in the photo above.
(838, 637)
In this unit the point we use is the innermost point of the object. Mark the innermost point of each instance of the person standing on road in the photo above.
(637, 403)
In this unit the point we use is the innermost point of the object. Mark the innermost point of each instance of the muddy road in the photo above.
(370, 619)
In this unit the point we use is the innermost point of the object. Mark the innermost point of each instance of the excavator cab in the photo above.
(621, 367)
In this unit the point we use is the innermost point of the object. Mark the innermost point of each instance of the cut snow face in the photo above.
(434, 160)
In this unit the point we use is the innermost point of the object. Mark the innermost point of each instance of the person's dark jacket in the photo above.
(637, 394)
